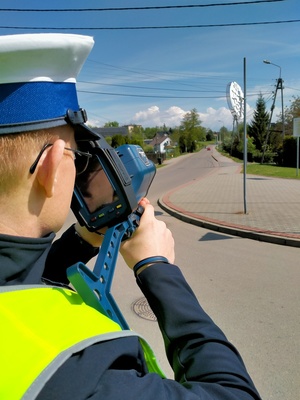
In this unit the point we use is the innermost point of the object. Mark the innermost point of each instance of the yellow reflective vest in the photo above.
(41, 327)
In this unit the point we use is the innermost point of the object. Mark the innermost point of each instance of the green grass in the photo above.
(272, 170)
(267, 169)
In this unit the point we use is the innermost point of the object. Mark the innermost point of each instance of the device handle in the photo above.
(94, 286)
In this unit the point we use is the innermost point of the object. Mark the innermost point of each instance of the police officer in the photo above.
(53, 345)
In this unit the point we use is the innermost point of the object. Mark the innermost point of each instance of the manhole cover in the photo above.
(142, 309)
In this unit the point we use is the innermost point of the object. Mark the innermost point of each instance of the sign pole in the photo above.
(245, 142)
(296, 133)
(297, 156)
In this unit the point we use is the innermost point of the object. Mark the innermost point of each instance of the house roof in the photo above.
(112, 131)
(159, 138)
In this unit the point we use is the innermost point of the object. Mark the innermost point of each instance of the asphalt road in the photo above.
(250, 288)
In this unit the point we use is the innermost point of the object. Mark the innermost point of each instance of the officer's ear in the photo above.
(48, 166)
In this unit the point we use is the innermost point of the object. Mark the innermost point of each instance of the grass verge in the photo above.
(267, 169)
(273, 171)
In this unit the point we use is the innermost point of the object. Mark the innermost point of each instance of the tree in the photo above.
(111, 124)
(224, 133)
(149, 133)
(118, 140)
(135, 139)
(288, 146)
(258, 128)
(289, 152)
(290, 113)
(191, 131)
(210, 135)
(250, 148)
(182, 144)
(137, 130)
(231, 141)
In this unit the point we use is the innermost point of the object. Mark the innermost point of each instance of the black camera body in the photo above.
(112, 186)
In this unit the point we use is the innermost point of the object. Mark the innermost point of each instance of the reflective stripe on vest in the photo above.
(41, 327)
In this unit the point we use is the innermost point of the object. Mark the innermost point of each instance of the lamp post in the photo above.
(269, 62)
(219, 120)
(279, 85)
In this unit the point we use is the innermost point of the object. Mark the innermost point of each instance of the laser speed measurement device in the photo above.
(107, 194)
(112, 184)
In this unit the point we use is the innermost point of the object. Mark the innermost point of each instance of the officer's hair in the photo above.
(17, 153)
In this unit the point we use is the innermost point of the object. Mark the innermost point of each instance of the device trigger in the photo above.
(140, 211)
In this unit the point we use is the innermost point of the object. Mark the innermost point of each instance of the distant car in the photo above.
(207, 148)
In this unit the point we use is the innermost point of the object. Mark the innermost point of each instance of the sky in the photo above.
(179, 59)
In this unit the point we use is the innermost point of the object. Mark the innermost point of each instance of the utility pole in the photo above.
(279, 86)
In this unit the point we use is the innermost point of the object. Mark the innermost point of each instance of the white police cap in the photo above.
(38, 82)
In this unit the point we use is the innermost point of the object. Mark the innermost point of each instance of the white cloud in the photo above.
(152, 113)
(94, 122)
(154, 116)
(172, 117)
(216, 118)
(211, 118)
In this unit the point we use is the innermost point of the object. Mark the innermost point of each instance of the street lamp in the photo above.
(269, 62)
(279, 85)
(221, 140)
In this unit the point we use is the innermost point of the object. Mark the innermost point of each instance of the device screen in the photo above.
(96, 188)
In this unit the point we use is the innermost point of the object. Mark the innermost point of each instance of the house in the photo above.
(125, 130)
(160, 142)
(131, 128)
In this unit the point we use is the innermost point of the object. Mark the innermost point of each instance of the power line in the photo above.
(138, 8)
(287, 87)
(146, 73)
(151, 96)
(154, 27)
(151, 88)
(156, 96)
(176, 82)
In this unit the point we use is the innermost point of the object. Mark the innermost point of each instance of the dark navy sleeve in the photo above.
(202, 359)
(69, 249)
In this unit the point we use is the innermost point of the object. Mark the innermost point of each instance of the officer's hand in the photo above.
(93, 238)
(151, 238)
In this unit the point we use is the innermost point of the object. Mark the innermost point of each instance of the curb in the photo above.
(274, 237)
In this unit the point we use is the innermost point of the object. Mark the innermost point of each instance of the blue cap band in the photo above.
(36, 101)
